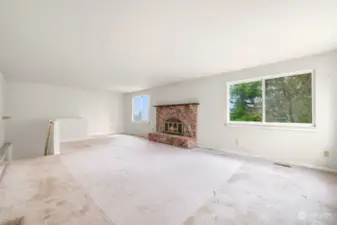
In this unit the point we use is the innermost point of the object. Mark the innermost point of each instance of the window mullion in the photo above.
(263, 100)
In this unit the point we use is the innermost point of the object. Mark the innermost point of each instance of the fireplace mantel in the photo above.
(177, 104)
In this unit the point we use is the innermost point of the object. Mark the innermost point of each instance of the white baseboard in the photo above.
(90, 136)
(137, 135)
(101, 134)
(295, 164)
(321, 168)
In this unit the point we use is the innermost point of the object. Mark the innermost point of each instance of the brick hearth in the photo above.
(183, 113)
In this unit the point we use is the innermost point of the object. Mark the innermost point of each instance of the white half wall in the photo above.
(304, 147)
(2, 109)
(32, 105)
(72, 128)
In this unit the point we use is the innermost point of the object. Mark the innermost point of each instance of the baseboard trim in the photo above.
(89, 137)
(295, 164)
(308, 166)
(136, 135)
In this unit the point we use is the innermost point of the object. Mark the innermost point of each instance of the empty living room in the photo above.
(168, 112)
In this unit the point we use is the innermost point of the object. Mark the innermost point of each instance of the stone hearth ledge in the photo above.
(175, 140)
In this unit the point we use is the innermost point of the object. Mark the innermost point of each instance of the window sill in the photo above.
(272, 126)
(142, 122)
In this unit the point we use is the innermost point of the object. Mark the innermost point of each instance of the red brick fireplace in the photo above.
(176, 125)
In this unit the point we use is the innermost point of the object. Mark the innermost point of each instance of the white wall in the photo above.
(32, 105)
(72, 128)
(295, 146)
(2, 109)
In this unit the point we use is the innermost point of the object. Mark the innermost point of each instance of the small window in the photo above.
(279, 100)
(140, 112)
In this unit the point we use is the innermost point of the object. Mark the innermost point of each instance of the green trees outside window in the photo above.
(246, 101)
(287, 99)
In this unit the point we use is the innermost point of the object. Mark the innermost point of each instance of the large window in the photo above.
(276, 100)
(140, 108)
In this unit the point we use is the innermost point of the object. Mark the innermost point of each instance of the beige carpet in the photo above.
(126, 180)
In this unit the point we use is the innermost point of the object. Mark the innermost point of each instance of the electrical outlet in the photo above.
(326, 154)
(236, 142)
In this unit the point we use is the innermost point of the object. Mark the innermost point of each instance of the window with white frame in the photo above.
(274, 100)
(140, 108)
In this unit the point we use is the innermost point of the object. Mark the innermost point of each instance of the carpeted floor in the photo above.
(126, 180)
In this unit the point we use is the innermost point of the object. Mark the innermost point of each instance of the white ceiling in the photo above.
(130, 45)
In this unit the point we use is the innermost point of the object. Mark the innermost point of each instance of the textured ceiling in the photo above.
(131, 45)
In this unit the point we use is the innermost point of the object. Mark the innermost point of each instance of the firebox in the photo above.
(174, 126)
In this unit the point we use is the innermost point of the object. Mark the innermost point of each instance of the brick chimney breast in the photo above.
(176, 124)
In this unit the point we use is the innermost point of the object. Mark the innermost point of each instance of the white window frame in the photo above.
(132, 117)
(271, 124)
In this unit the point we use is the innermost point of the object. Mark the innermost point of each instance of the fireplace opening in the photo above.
(174, 126)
